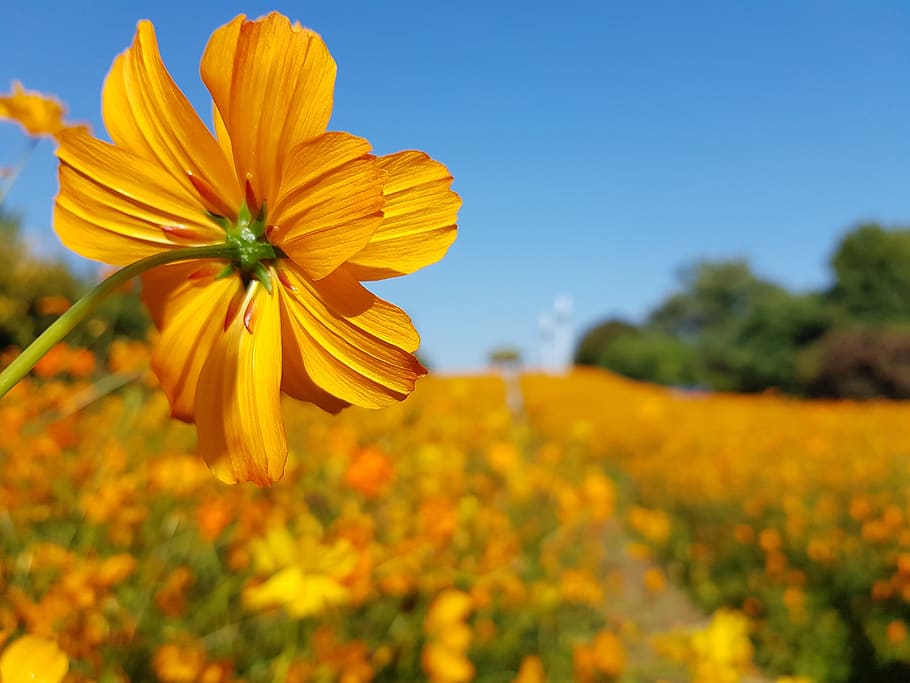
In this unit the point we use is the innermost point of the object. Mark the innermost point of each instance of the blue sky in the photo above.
(598, 146)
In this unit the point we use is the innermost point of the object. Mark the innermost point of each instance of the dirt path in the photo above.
(641, 613)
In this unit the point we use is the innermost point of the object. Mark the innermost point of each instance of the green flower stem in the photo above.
(80, 310)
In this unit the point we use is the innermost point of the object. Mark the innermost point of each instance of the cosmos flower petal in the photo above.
(116, 207)
(296, 381)
(238, 406)
(187, 302)
(337, 348)
(38, 114)
(146, 113)
(419, 222)
(273, 84)
(330, 204)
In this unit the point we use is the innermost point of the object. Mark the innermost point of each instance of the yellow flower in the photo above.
(33, 660)
(312, 212)
(306, 576)
(444, 656)
(38, 114)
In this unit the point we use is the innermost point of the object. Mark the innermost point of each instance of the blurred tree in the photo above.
(762, 348)
(872, 274)
(712, 294)
(596, 339)
(861, 362)
(653, 356)
(32, 292)
(35, 291)
(505, 355)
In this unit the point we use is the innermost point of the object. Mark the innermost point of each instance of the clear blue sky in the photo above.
(597, 146)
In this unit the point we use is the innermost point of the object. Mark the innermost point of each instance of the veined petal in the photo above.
(330, 203)
(238, 401)
(296, 381)
(146, 113)
(419, 222)
(116, 207)
(188, 306)
(273, 84)
(348, 353)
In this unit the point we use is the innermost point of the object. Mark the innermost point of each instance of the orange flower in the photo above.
(311, 213)
(369, 472)
(38, 114)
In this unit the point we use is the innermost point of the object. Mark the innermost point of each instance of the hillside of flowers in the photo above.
(796, 514)
(449, 539)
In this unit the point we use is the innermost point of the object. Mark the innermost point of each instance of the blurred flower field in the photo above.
(447, 540)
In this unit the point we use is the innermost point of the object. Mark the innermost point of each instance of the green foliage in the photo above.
(595, 340)
(651, 355)
(712, 295)
(505, 355)
(25, 284)
(872, 274)
(34, 291)
(762, 347)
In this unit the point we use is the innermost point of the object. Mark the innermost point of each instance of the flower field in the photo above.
(447, 540)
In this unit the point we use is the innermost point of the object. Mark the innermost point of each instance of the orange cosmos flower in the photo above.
(37, 113)
(311, 212)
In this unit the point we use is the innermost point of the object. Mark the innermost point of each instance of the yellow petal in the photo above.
(146, 113)
(38, 114)
(238, 406)
(419, 224)
(273, 85)
(351, 352)
(330, 203)
(31, 659)
(116, 207)
(188, 305)
(296, 381)
(278, 590)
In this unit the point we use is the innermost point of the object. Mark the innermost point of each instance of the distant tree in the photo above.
(27, 286)
(505, 356)
(872, 274)
(653, 356)
(34, 291)
(712, 294)
(762, 349)
(862, 362)
(596, 339)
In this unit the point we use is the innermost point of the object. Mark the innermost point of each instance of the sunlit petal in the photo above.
(419, 223)
(116, 207)
(348, 352)
(330, 203)
(146, 113)
(238, 406)
(188, 303)
(273, 85)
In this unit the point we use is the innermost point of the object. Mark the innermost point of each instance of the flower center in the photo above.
(248, 237)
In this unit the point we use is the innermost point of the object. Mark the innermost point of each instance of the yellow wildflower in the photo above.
(448, 638)
(306, 577)
(32, 659)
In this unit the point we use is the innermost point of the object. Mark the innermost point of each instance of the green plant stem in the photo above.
(80, 310)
